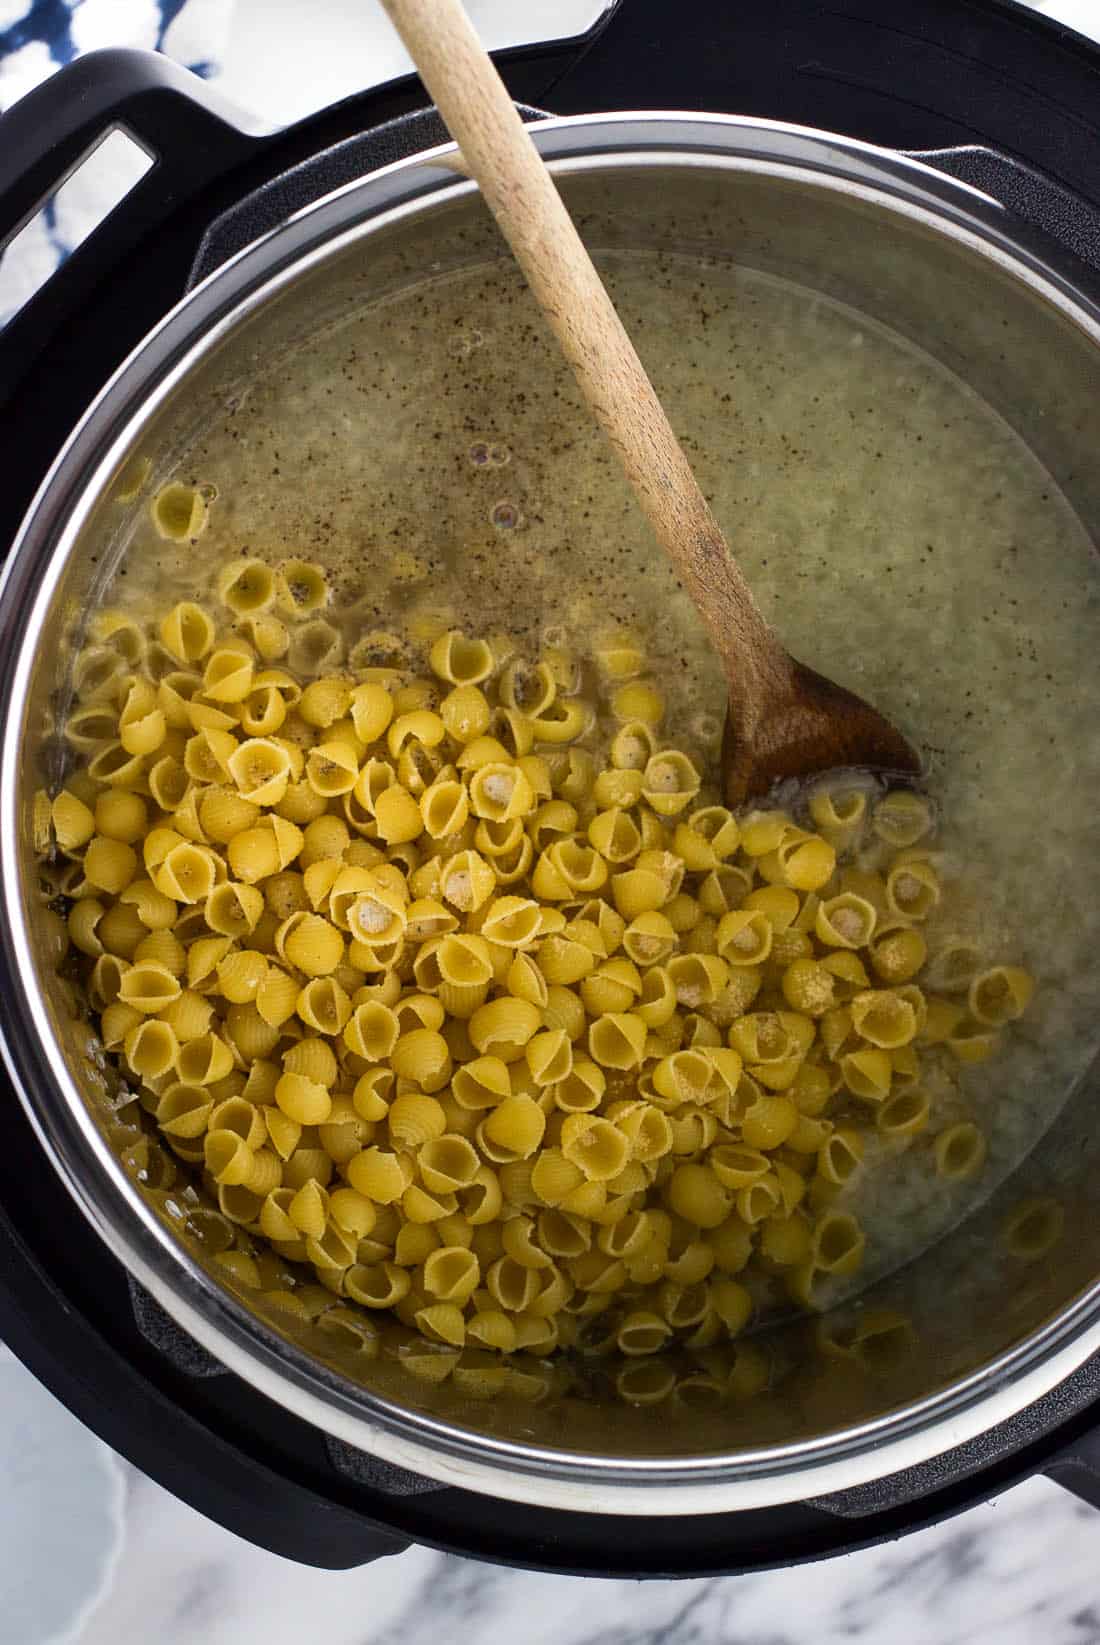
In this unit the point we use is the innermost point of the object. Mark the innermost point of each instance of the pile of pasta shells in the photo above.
(456, 987)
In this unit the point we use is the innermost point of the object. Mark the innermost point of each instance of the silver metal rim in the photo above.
(64, 1127)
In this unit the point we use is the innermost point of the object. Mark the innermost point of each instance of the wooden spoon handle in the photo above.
(520, 192)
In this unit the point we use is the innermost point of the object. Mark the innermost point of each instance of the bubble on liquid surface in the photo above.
(707, 727)
(485, 455)
(506, 516)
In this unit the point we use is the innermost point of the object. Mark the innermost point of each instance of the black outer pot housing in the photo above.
(990, 92)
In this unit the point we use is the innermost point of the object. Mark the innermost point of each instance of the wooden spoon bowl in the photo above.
(805, 726)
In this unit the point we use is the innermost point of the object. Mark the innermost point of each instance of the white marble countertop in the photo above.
(1020, 1571)
(93, 1553)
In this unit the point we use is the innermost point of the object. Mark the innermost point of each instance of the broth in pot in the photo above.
(406, 541)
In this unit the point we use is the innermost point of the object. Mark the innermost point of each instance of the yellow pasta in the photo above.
(639, 701)
(180, 512)
(912, 889)
(669, 782)
(698, 978)
(109, 865)
(162, 948)
(512, 1130)
(311, 943)
(204, 1060)
(422, 1057)
(1000, 995)
(619, 653)
(769, 1122)
(838, 812)
(315, 648)
(187, 632)
(234, 909)
(884, 1018)
(904, 1114)
(459, 986)
(616, 985)
(314, 1059)
(183, 1111)
(971, 1042)
(513, 922)
(960, 1152)
(867, 1074)
(902, 818)
(1034, 1229)
(838, 1243)
(224, 815)
(953, 966)
(845, 921)
(119, 816)
(618, 1040)
(595, 1146)
(332, 769)
(151, 1049)
(112, 764)
(261, 768)
(302, 1099)
(459, 660)
(300, 587)
(898, 955)
(74, 823)
(121, 929)
(372, 1031)
(246, 587)
(803, 862)
(503, 1027)
(266, 633)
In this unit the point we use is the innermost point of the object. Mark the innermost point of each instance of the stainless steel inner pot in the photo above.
(938, 262)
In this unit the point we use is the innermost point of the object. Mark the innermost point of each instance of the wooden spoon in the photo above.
(784, 720)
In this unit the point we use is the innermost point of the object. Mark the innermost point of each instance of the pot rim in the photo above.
(89, 1169)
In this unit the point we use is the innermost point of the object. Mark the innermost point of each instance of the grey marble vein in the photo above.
(1020, 1571)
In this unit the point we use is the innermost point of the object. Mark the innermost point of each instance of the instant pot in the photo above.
(942, 158)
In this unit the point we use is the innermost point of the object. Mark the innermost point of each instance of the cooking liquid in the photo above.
(433, 454)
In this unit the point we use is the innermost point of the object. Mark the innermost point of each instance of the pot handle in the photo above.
(330, 168)
(97, 1369)
(190, 133)
(1060, 214)
(1077, 1467)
